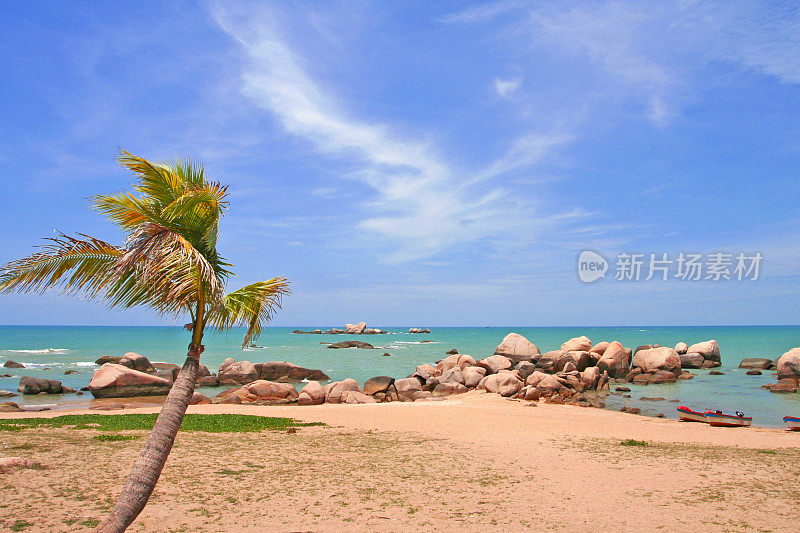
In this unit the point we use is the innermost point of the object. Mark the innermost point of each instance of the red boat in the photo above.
(687, 415)
(720, 419)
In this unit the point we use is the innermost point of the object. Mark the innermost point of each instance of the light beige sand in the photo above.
(475, 462)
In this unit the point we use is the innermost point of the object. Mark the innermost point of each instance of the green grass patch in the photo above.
(20, 525)
(191, 422)
(113, 437)
(91, 522)
(632, 442)
(768, 452)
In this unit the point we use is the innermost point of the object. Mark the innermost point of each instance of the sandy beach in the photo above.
(474, 462)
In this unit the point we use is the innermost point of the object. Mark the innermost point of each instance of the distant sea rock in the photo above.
(351, 344)
(13, 364)
(31, 385)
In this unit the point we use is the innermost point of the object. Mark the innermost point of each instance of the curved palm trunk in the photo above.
(147, 468)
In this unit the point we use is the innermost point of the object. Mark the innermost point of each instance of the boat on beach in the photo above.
(687, 415)
(720, 419)
(792, 422)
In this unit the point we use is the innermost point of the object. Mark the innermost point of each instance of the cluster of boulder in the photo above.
(788, 368)
(351, 329)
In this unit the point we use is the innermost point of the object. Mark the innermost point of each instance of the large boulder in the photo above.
(103, 359)
(681, 348)
(590, 377)
(232, 371)
(495, 364)
(311, 394)
(30, 385)
(788, 365)
(654, 359)
(615, 360)
(546, 385)
(708, 349)
(692, 360)
(505, 384)
(426, 372)
(355, 329)
(548, 361)
(517, 348)
(454, 375)
(408, 388)
(137, 362)
(356, 397)
(459, 360)
(599, 348)
(377, 384)
(271, 391)
(288, 372)
(334, 391)
(577, 344)
(524, 369)
(351, 344)
(199, 399)
(449, 389)
(579, 359)
(117, 381)
(473, 376)
(755, 363)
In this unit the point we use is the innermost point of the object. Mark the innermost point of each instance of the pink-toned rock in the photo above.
(426, 372)
(355, 329)
(548, 385)
(681, 348)
(614, 360)
(272, 391)
(449, 389)
(377, 384)
(473, 376)
(708, 349)
(662, 376)
(534, 379)
(137, 362)
(590, 377)
(788, 365)
(237, 371)
(454, 375)
(783, 385)
(495, 363)
(517, 348)
(661, 358)
(569, 367)
(579, 359)
(407, 389)
(505, 384)
(199, 399)
(334, 391)
(692, 360)
(117, 381)
(288, 372)
(599, 348)
(355, 397)
(459, 360)
(577, 344)
(311, 394)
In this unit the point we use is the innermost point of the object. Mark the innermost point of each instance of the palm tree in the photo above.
(169, 262)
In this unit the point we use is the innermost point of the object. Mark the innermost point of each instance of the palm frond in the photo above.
(251, 307)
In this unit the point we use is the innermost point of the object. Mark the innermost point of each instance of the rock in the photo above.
(590, 378)
(70, 372)
(517, 348)
(451, 352)
(716, 373)
(569, 367)
(495, 363)
(311, 394)
(449, 389)
(208, 381)
(30, 385)
(643, 347)
(407, 389)
(473, 376)
(288, 372)
(334, 391)
(351, 344)
(13, 364)
(708, 363)
(108, 407)
(505, 384)
(108, 359)
(525, 369)
(199, 399)
(783, 385)
(614, 360)
(372, 331)
(647, 399)
(547, 385)
(662, 376)
(241, 372)
(355, 397)
(386, 354)
(355, 329)
(579, 359)
(662, 358)
(7, 394)
(9, 407)
(117, 381)
(458, 360)
(419, 330)
(377, 384)
(755, 363)
(268, 391)
(631, 410)
(692, 360)
(632, 374)
(641, 379)
(681, 348)
(426, 372)
(548, 361)
(753, 372)
(577, 344)
(454, 375)
(599, 348)
(622, 389)
(788, 365)
(685, 375)
(708, 349)
(137, 362)
(9, 463)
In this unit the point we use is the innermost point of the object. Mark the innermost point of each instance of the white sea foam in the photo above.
(43, 350)
(85, 363)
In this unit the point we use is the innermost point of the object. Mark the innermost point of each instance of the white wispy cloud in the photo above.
(421, 203)
(505, 87)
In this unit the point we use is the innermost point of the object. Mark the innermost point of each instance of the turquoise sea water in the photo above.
(48, 351)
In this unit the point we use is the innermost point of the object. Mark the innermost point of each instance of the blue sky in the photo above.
(427, 163)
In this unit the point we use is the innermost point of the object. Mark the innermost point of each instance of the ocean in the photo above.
(48, 351)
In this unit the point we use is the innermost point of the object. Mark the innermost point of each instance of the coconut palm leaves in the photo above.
(169, 261)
